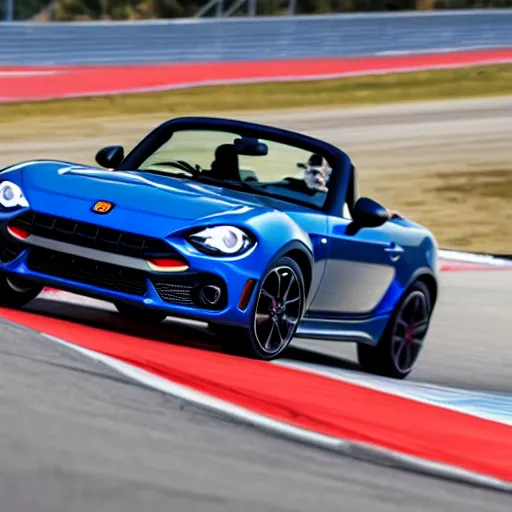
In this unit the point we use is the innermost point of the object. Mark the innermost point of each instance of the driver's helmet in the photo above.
(316, 172)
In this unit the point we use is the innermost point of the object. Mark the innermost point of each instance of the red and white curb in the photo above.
(456, 260)
(357, 450)
(488, 406)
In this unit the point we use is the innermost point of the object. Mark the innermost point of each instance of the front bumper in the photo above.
(117, 277)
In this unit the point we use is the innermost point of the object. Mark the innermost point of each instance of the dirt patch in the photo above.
(466, 210)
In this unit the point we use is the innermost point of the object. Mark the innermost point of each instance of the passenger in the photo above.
(316, 173)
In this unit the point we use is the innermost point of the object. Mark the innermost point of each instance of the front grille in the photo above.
(86, 271)
(175, 293)
(92, 236)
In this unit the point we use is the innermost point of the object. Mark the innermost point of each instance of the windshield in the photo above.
(254, 165)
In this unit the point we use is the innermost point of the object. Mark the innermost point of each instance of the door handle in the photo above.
(395, 251)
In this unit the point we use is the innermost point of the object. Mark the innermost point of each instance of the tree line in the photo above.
(82, 10)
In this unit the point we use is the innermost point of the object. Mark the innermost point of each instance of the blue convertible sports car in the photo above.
(256, 230)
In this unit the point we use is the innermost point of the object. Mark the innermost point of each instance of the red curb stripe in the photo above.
(73, 81)
(305, 400)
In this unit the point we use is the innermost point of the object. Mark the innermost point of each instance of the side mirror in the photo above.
(369, 214)
(110, 157)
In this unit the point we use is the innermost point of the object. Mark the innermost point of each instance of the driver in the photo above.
(316, 172)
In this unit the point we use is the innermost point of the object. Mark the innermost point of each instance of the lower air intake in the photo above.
(86, 271)
(175, 293)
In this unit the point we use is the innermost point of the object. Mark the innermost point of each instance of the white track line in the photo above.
(360, 451)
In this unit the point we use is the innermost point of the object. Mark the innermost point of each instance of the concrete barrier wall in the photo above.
(244, 39)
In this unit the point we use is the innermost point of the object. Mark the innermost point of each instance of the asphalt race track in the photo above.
(469, 338)
(75, 436)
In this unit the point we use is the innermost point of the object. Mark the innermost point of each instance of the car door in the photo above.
(360, 268)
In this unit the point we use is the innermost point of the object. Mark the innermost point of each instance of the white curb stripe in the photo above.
(22, 73)
(360, 451)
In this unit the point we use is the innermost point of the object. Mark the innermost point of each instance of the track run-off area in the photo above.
(107, 414)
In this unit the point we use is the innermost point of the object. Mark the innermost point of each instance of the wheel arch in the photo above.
(304, 263)
(431, 283)
(301, 254)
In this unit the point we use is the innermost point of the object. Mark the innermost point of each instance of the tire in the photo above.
(16, 292)
(400, 345)
(139, 314)
(274, 312)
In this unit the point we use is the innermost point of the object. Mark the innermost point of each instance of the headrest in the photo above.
(226, 151)
(226, 164)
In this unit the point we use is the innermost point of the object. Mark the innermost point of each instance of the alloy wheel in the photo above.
(278, 309)
(409, 330)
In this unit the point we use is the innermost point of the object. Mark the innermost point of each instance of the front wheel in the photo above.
(277, 312)
(400, 345)
(139, 314)
(16, 292)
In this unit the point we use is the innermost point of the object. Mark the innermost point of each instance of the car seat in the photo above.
(226, 164)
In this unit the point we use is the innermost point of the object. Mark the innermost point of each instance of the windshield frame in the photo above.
(338, 160)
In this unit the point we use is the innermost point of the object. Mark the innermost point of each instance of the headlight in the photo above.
(221, 240)
(11, 195)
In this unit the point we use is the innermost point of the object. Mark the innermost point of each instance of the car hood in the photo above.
(133, 191)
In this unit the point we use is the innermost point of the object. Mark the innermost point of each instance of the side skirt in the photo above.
(367, 331)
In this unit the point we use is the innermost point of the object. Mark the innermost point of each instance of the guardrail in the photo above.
(236, 39)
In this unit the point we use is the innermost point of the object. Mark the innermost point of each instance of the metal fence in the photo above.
(236, 39)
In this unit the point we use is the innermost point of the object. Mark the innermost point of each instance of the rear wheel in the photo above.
(278, 309)
(139, 314)
(16, 292)
(400, 345)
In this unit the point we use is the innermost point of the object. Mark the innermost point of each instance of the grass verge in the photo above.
(443, 84)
